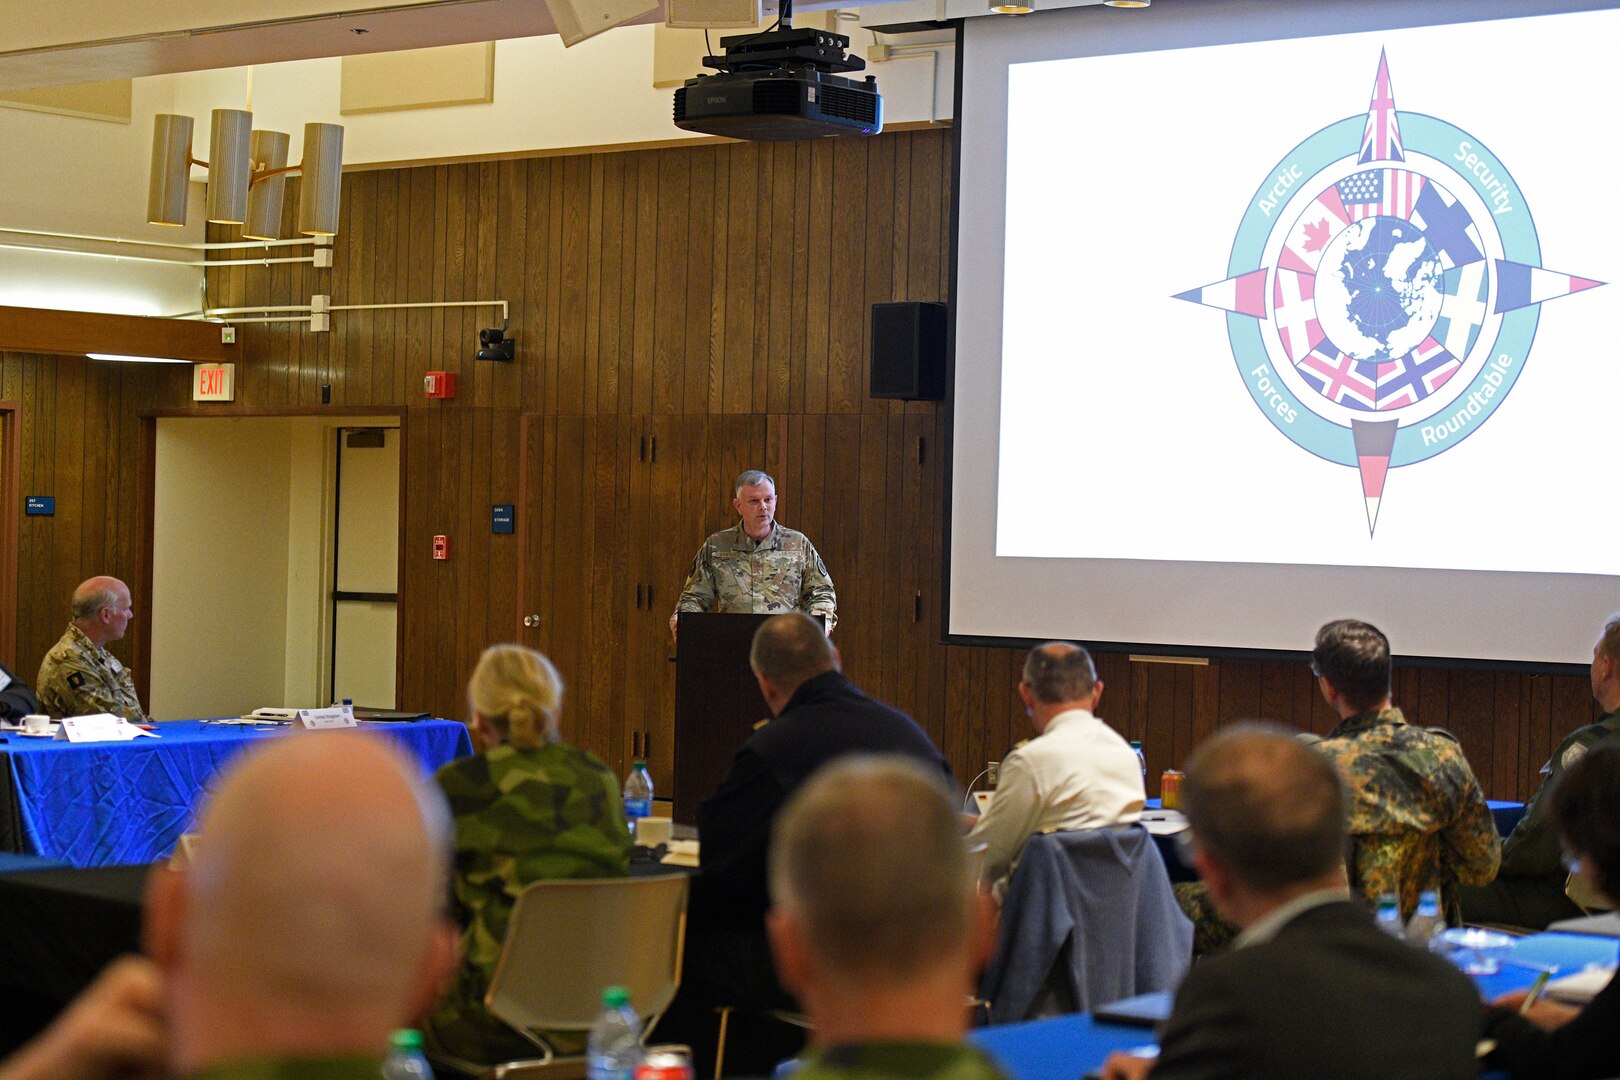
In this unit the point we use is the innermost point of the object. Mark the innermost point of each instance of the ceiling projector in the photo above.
(781, 84)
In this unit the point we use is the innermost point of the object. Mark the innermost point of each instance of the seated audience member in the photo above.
(1077, 773)
(1312, 987)
(1556, 1040)
(78, 675)
(876, 925)
(529, 807)
(819, 716)
(1418, 819)
(112, 1031)
(307, 927)
(1529, 886)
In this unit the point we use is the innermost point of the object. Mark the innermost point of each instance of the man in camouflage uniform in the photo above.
(79, 676)
(758, 565)
(1529, 888)
(521, 815)
(882, 960)
(1418, 818)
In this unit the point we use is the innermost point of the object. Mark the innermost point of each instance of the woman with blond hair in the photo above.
(529, 807)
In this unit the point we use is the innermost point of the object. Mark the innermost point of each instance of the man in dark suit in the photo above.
(1312, 987)
(16, 700)
(819, 716)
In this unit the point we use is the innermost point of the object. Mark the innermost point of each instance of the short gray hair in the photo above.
(868, 858)
(1609, 643)
(750, 477)
(1058, 672)
(86, 604)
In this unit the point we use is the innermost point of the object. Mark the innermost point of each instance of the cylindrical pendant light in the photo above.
(265, 195)
(228, 168)
(171, 170)
(322, 171)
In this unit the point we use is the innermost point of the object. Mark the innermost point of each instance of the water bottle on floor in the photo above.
(405, 1060)
(638, 795)
(614, 1049)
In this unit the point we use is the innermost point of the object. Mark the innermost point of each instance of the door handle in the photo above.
(531, 620)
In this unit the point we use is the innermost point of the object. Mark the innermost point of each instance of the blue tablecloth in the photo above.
(1067, 1047)
(110, 804)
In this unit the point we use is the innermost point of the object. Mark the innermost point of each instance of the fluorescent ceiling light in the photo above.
(136, 359)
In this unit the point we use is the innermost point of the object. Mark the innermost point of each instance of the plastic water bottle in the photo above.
(1427, 922)
(614, 1049)
(638, 794)
(1389, 916)
(1137, 746)
(405, 1060)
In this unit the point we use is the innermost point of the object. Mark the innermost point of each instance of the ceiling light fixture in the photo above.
(1127, 3)
(247, 174)
(1011, 7)
(136, 359)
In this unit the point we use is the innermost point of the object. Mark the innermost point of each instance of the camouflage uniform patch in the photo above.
(1210, 931)
(79, 677)
(898, 1061)
(780, 573)
(520, 816)
(1418, 819)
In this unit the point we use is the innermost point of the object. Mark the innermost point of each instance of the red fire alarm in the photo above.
(441, 547)
(439, 384)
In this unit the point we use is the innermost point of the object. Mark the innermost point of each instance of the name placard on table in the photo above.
(100, 727)
(335, 716)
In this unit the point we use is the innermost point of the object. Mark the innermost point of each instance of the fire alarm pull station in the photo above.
(441, 547)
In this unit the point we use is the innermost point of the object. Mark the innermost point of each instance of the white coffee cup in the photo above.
(36, 723)
(652, 831)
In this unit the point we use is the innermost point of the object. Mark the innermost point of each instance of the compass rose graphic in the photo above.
(1383, 290)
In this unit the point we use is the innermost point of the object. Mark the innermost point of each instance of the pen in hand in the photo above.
(1535, 992)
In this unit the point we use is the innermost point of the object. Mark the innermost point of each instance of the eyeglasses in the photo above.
(1571, 861)
(1315, 671)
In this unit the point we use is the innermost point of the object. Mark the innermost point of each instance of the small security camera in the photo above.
(495, 345)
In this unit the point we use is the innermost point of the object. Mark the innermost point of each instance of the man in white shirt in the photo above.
(1077, 773)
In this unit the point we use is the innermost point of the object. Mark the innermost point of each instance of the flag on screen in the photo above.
(1462, 311)
(1320, 222)
(1375, 442)
(1338, 378)
(1447, 226)
(1244, 294)
(1416, 375)
(1518, 285)
(1380, 193)
(1381, 139)
(1293, 310)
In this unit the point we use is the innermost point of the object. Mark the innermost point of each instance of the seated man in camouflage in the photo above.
(1418, 818)
(758, 565)
(882, 961)
(1529, 886)
(79, 676)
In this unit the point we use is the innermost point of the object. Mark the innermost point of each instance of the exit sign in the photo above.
(213, 382)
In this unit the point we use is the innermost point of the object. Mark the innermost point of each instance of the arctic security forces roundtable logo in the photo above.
(1383, 290)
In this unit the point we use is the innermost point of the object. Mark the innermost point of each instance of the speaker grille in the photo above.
(680, 104)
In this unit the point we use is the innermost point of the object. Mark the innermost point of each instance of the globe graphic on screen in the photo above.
(1378, 289)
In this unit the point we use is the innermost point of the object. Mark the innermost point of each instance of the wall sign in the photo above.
(502, 519)
(40, 506)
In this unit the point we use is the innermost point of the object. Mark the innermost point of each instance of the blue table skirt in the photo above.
(110, 804)
(1067, 1047)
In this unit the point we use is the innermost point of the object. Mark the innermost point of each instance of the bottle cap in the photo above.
(406, 1039)
(615, 997)
(639, 763)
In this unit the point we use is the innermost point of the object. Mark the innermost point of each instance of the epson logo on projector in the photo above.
(719, 99)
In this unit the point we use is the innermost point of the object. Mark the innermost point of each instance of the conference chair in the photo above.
(1089, 917)
(567, 940)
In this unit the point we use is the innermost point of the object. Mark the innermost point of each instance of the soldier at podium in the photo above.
(758, 565)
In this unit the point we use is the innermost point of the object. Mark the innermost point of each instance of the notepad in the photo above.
(1143, 1010)
(1581, 987)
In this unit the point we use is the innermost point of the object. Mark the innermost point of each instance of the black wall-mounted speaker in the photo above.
(908, 351)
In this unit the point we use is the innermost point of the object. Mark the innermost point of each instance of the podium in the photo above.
(717, 702)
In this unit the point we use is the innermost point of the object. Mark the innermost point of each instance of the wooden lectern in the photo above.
(717, 702)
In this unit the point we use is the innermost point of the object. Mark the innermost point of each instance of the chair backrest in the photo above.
(568, 939)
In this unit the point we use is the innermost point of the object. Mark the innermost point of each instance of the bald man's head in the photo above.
(791, 649)
(101, 608)
(315, 895)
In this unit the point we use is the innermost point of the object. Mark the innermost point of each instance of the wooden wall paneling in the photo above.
(672, 316)
(649, 265)
(649, 513)
(779, 296)
(727, 290)
(846, 381)
(878, 273)
(765, 276)
(574, 366)
(503, 621)
(498, 275)
(821, 268)
(614, 326)
(597, 367)
(354, 260)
